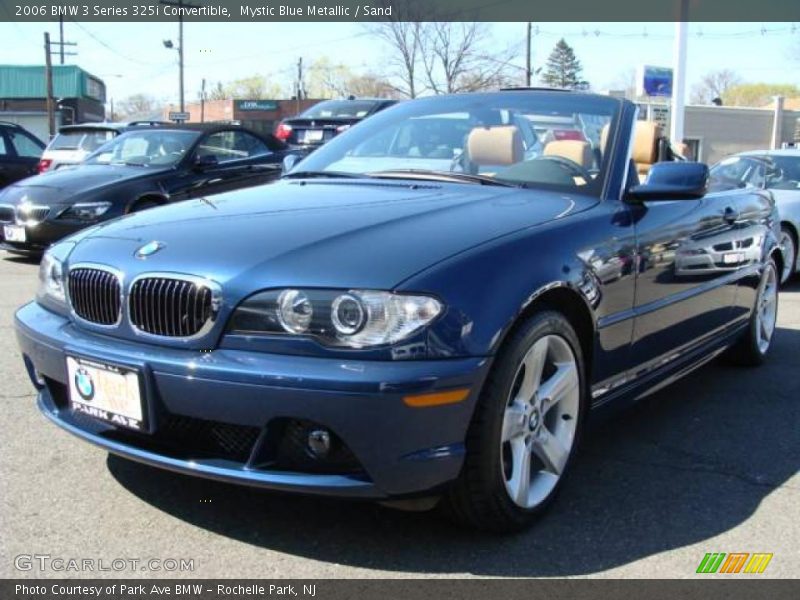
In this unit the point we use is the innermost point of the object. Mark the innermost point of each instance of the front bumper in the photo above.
(400, 450)
(40, 236)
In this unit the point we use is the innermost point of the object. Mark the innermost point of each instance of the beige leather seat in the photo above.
(575, 150)
(495, 146)
(645, 146)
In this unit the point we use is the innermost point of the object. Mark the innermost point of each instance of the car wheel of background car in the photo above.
(789, 248)
(144, 204)
(525, 429)
(752, 348)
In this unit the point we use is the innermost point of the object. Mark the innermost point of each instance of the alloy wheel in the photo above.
(540, 421)
(766, 307)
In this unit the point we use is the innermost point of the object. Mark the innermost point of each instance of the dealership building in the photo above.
(259, 115)
(713, 132)
(78, 96)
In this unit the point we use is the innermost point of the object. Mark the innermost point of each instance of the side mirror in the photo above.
(672, 181)
(289, 161)
(207, 161)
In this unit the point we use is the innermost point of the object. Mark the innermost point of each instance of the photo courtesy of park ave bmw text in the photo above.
(399, 298)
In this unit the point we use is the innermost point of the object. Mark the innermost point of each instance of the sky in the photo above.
(131, 58)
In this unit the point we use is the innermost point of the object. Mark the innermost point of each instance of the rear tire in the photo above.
(753, 347)
(789, 250)
(525, 429)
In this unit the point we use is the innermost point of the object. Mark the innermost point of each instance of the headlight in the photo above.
(354, 318)
(86, 211)
(51, 281)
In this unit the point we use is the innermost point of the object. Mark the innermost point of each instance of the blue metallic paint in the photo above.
(489, 254)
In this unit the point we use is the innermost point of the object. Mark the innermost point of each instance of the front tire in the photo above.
(754, 345)
(789, 250)
(526, 428)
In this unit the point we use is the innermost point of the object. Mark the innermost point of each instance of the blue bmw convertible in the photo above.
(424, 310)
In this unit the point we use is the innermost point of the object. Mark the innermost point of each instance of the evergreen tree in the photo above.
(563, 69)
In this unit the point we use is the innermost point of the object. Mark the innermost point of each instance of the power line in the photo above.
(108, 47)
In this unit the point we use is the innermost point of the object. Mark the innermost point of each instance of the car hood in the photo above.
(60, 185)
(328, 233)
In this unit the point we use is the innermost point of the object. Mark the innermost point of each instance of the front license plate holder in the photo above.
(733, 258)
(109, 393)
(14, 233)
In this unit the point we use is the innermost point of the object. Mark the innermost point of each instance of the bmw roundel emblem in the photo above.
(84, 384)
(149, 249)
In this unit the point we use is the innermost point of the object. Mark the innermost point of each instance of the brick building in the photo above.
(259, 115)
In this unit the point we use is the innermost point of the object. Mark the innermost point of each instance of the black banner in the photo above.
(586, 11)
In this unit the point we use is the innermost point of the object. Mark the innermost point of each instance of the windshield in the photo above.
(145, 148)
(783, 172)
(737, 172)
(87, 140)
(493, 136)
(339, 109)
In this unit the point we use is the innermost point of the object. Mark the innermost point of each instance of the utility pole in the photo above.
(181, 5)
(528, 56)
(61, 43)
(203, 101)
(48, 73)
(299, 82)
(61, 36)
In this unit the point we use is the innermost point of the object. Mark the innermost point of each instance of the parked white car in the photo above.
(779, 172)
(74, 143)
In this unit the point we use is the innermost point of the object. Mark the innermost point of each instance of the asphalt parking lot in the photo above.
(707, 465)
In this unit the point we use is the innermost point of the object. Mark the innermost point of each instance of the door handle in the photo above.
(731, 215)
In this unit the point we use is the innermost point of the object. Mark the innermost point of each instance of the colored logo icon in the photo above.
(84, 384)
(734, 562)
(149, 249)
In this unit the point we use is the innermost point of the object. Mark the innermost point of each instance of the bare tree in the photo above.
(138, 106)
(371, 85)
(714, 84)
(218, 92)
(402, 34)
(626, 80)
(456, 58)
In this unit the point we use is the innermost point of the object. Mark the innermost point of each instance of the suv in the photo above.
(75, 142)
(19, 153)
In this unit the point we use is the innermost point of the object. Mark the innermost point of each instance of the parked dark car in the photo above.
(322, 122)
(367, 329)
(74, 143)
(140, 169)
(19, 153)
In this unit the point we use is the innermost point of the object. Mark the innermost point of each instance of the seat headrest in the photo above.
(604, 137)
(500, 145)
(575, 150)
(645, 142)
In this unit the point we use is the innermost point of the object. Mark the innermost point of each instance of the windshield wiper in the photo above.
(431, 174)
(321, 174)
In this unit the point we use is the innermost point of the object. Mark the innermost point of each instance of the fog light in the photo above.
(319, 442)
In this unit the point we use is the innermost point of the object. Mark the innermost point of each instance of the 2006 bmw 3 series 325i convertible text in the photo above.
(426, 307)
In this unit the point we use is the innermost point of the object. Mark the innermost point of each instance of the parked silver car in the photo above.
(779, 172)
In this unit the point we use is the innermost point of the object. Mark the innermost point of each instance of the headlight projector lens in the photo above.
(295, 311)
(347, 314)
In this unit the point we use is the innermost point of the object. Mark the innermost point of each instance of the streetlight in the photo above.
(181, 5)
(108, 95)
(169, 45)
